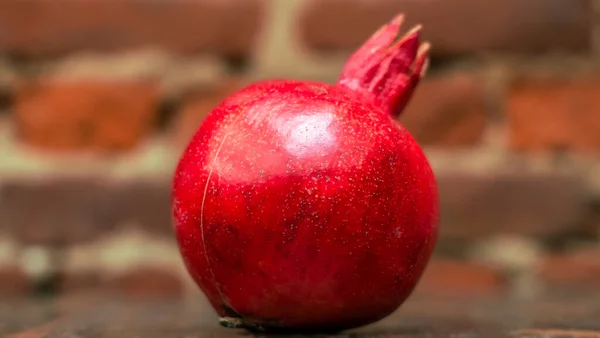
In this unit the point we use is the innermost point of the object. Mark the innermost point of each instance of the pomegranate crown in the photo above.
(386, 69)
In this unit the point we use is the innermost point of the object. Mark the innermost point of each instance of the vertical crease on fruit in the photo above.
(386, 69)
(223, 299)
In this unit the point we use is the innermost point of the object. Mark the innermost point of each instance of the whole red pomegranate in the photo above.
(306, 206)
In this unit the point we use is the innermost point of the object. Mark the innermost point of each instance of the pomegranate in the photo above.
(302, 206)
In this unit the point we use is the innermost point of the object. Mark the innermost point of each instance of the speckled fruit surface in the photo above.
(306, 206)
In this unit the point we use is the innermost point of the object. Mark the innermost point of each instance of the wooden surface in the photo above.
(100, 316)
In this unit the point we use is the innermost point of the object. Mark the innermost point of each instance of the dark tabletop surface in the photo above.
(103, 316)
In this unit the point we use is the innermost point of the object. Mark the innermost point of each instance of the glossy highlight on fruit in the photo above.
(307, 206)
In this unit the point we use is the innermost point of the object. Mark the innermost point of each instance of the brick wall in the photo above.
(98, 98)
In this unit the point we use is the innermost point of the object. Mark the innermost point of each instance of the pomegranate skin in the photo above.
(304, 206)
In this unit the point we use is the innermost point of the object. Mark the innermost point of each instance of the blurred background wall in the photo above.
(98, 98)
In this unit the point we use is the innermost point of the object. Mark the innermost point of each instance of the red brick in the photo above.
(445, 277)
(56, 212)
(487, 204)
(575, 271)
(85, 115)
(454, 27)
(69, 211)
(447, 110)
(79, 282)
(147, 283)
(145, 203)
(46, 27)
(13, 281)
(142, 282)
(138, 283)
(197, 105)
(554, 114)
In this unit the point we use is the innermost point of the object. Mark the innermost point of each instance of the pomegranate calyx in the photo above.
(240, 323)
(386, 70)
